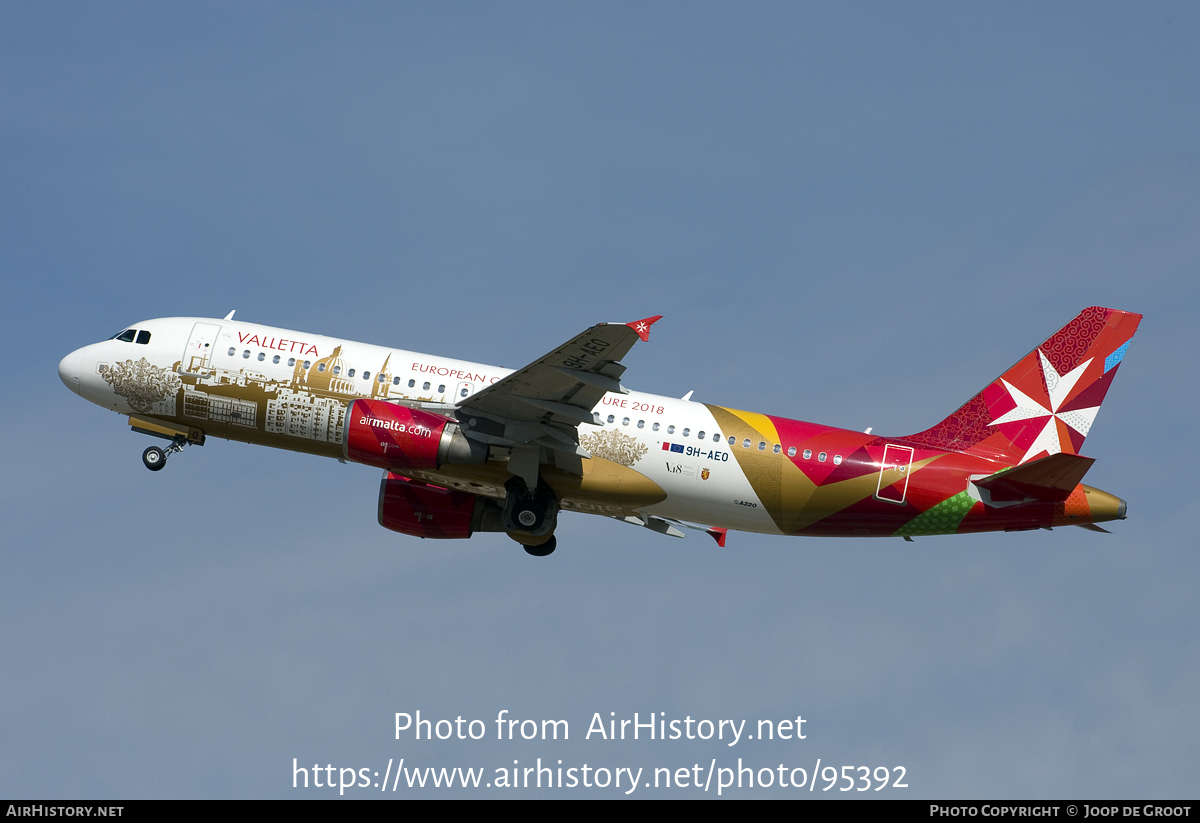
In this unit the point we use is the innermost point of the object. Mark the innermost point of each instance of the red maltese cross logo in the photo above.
(642, 327)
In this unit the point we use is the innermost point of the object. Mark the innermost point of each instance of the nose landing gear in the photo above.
(155, 459)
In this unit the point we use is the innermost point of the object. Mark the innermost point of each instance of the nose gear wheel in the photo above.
(155, 459)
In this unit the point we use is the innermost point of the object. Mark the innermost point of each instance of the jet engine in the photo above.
(416, 508)
(397, 438)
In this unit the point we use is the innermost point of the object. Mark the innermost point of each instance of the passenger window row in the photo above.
(291, 361)
(776, 449)
(641, 424)
(716, 438)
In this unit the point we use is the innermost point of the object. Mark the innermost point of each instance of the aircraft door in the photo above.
(463, 390)
(197, 357)
(893, 473)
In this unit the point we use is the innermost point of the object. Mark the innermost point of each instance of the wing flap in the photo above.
(574, 414)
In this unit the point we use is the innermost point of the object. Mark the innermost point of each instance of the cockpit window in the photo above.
(125, 336)
(143, 337)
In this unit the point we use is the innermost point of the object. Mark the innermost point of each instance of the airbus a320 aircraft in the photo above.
(469, 448)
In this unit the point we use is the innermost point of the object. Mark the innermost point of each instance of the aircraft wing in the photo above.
(544, 403)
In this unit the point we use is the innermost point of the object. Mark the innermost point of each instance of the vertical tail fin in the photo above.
(1045, 404)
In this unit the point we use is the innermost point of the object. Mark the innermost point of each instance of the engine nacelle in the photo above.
(398, 438)
(416, 508)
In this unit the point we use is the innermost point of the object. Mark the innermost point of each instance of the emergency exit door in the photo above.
(893, 473)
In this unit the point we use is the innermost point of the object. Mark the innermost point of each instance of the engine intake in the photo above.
(421, 510)
(398, 438)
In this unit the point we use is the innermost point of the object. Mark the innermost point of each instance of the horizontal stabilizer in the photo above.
(1049, 478)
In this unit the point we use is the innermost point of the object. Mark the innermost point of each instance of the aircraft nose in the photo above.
(68, 370)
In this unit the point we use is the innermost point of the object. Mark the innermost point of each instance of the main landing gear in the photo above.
(155, 458)
(530, 516)
(543, 550)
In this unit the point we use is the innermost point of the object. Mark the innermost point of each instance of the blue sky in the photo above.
(851, 214)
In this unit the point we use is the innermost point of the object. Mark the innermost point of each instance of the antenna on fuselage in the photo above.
(688, 396)
(230, 315)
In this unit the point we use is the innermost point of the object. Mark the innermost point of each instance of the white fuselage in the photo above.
(686, 454)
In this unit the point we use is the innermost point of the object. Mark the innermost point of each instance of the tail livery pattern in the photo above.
(958, 476)
(1046, 403)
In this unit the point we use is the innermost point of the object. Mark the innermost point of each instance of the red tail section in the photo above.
(1045, 404)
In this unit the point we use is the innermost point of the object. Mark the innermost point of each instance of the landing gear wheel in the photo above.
(533, 512)
(544, 549)
(154, 458)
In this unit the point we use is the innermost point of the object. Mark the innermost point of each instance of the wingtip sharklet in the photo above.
(642, 327)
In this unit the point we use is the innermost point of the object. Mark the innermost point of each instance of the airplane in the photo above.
(466, 447)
